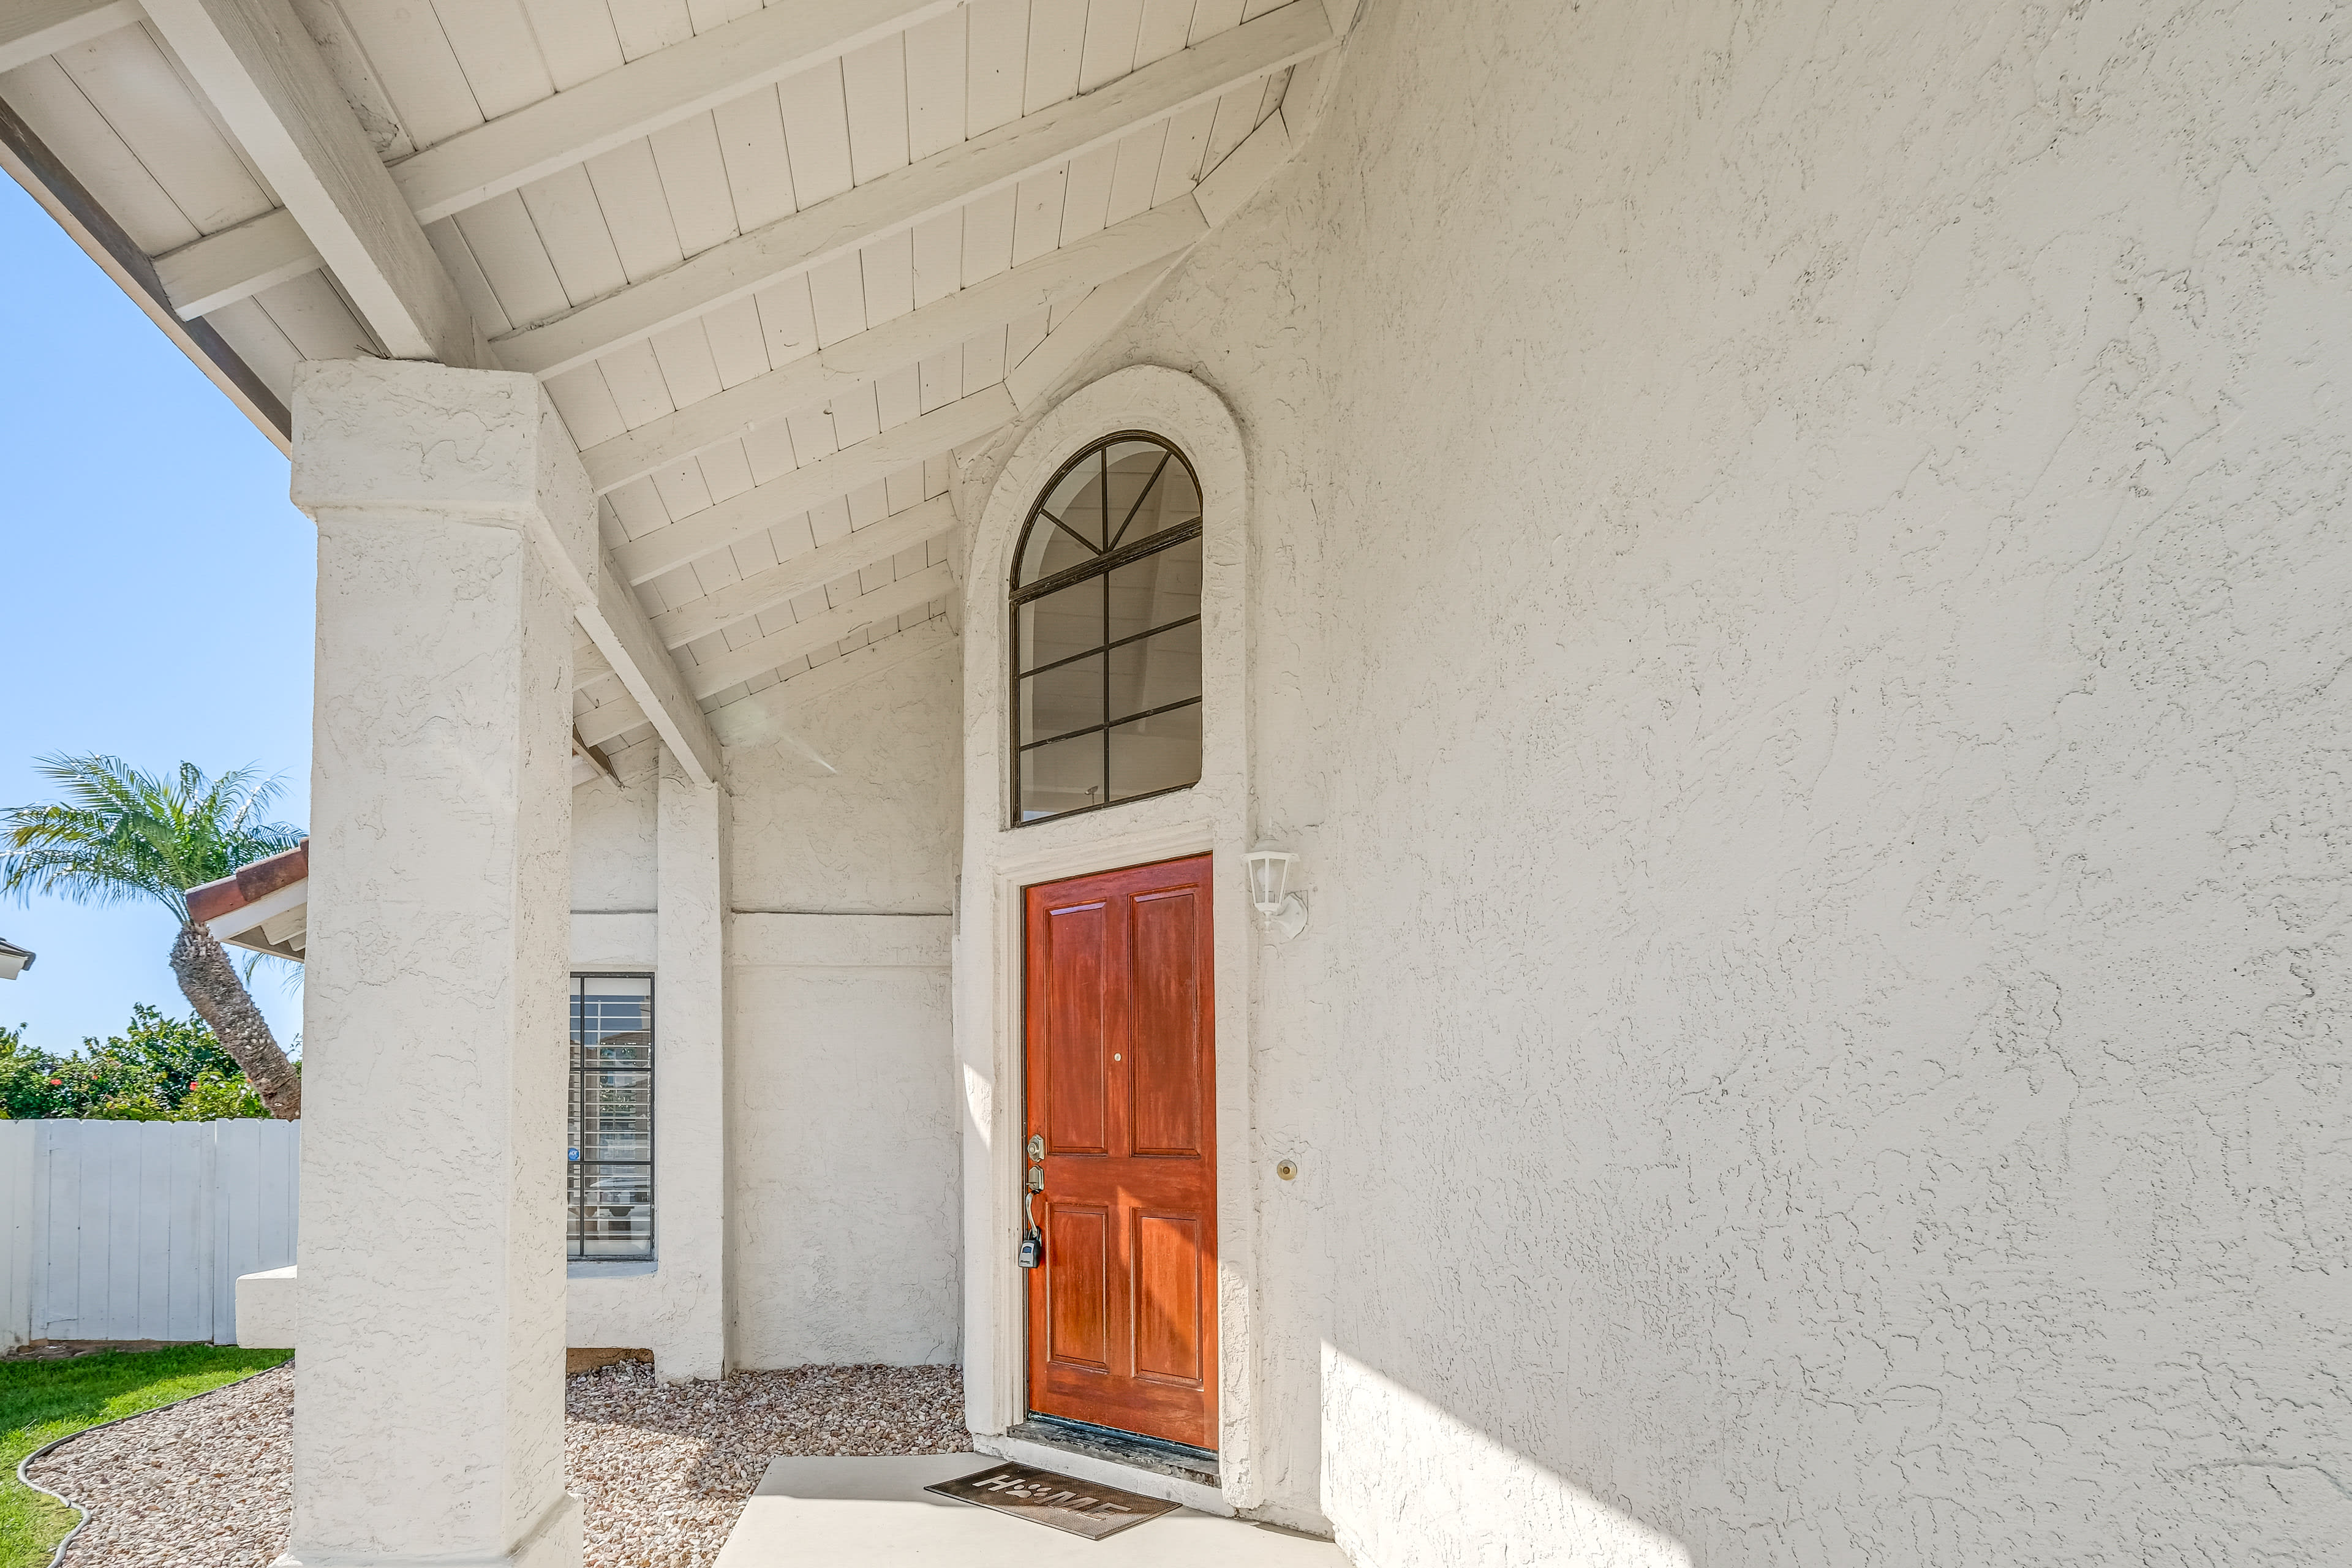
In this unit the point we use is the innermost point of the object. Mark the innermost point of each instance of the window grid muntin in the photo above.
(1116, 552)
(577, 1176)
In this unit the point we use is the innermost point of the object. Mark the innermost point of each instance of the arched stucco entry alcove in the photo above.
(1000, 861)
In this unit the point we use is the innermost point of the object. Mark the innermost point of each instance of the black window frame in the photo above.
(575, 1168)
(1120, 551)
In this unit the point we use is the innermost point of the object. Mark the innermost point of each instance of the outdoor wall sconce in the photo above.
(1281, 914)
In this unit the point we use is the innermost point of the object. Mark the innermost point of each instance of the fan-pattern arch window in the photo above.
(1105, 599)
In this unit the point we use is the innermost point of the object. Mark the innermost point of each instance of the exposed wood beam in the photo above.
(1043, 368)
(641, 97)
(618, 624)
(750, 720)
(237, 263)
(812, 569)
(1052, 279)
(860, 463)
(1219, 195)
(1225, 188)
(596, 760)
(607, 721)
(619, 642)
(819, 631)
(30, 162)
(266, 78)
(573, 126)
(34, 29)
(905, 197)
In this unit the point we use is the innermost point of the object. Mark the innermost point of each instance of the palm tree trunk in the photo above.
(210, 983)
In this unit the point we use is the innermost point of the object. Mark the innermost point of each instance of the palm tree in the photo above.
(118, 834)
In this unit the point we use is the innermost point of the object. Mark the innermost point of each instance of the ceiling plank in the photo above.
(906, 197)
(606, 111)
(820, 631)
(34, 29)
(657, 89)
(757, 718)
(788, 495)
(266, 80)
(1052, 279)
(812, 569)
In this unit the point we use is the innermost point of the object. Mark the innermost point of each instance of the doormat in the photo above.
(1081, 1508)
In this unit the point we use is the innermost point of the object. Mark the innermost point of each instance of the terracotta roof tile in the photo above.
(249, 884)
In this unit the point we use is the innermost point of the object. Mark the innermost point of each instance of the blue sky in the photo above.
(158, 591)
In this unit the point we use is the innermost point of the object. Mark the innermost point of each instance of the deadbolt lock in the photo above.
(1036, 1147)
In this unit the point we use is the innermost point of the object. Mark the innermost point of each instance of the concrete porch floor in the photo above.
(842, 1511)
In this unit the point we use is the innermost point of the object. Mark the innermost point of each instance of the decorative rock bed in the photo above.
(661, 1470)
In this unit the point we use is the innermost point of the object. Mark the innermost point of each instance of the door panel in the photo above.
(1168, 1312)
(1121, 1071)
(1080, 1333)
(1164, 1025)
(1078, 1079)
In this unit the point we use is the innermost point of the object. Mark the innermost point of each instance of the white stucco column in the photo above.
(690, 1076)
(428, 1423)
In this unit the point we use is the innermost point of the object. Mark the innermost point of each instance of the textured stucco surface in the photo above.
(841, 1142)
(612, 851)
(1797, 575)
(840, 1119)
(678, 1310)
(837, 1051)
(847, 804)
(432, 1222)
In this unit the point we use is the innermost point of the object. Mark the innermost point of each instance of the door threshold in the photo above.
(1174, 1460)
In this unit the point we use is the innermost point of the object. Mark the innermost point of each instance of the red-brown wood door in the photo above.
(1122, 1087)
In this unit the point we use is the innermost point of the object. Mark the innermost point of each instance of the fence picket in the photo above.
(132, 1230)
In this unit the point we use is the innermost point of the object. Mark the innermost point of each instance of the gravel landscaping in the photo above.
(661, 1470)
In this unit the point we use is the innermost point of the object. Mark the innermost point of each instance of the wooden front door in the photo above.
(1121, 1099)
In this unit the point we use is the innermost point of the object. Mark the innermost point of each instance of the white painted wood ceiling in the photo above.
(775, 465)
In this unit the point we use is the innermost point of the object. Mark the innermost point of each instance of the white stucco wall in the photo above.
(1798, 564)
(613, 863)
(846, 803)
(843, 1133)
(840, 1166)
(841, 1098)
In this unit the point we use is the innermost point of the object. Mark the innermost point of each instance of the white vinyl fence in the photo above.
(137, 1230)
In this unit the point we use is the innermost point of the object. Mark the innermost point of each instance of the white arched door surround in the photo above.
(1000, 860)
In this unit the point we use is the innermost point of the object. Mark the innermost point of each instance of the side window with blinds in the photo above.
(612, 1119)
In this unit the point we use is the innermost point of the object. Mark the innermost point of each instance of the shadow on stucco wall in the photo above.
(1481, 1498)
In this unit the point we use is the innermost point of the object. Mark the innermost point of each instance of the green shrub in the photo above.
(158, 1069)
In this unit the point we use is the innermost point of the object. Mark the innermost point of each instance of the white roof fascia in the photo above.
(249, 920)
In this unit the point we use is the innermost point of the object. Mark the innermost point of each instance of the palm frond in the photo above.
(118, 832)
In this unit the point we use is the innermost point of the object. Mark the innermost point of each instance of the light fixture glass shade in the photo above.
(1281, 914)
(1269, 874)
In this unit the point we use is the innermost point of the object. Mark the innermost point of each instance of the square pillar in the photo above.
(690, 1075)
(428, 1416)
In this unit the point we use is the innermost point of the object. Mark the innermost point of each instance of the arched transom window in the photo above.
(1106, 598)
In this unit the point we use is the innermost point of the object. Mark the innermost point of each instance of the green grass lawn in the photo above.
(41, 1401)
